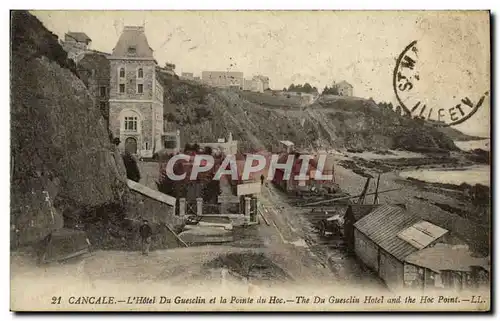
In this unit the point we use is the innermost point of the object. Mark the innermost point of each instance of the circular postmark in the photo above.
(439, 91)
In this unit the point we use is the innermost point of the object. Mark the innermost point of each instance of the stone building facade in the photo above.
(136, 95)
(223, 79)
(257, 83)
(344, 88)
(261, 83)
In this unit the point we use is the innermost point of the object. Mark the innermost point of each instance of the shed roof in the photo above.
(151, 193)
(133, 37)
(444, 257)
(384, 224)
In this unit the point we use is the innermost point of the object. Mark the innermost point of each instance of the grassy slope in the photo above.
(455, 134)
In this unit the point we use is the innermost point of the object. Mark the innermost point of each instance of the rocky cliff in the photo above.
(259, 120)
(62, 161)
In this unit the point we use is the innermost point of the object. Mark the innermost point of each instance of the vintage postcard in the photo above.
(250, 161)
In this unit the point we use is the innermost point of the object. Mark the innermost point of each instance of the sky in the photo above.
(318, 47)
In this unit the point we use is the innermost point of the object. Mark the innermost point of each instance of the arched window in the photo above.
(140, 73)
(122, 72)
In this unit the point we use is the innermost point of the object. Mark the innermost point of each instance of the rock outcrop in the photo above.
(62, 161)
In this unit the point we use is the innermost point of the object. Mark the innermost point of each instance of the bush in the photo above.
(170, 117)
(202, 113)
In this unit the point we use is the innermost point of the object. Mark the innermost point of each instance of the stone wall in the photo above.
(158, 141)
(158, 209)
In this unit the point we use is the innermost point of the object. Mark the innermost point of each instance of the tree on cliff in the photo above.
(306, 88)
(385, 105)
(331, 90)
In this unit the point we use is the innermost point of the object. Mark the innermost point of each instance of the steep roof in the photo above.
(383, 225)
(133, 37)
(79, 36)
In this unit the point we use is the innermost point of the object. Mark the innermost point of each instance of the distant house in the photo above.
(187, 75)
(344, 88)
(247, 84)
(399, 245)
(75, 44)
(77, 37)
(257, 85)
(287, 146)
(227, 147)
(262, 82)
(223, 79)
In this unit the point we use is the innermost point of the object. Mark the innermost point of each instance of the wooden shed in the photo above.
(354, 213)
(448, 266)
(384, 238)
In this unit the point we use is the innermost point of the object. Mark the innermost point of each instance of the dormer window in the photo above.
(132, 50)
(140, 73)
(122, 72)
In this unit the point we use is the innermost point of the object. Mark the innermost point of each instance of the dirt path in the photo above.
(293, 228)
